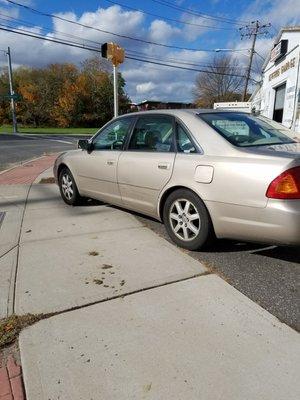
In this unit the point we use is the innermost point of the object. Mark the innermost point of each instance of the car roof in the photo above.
(181, 111)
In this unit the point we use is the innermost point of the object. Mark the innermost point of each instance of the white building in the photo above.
(278, 96)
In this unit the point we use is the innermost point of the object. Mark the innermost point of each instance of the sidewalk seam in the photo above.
(81, 234)
(119, 296)
(8, 251)
(18, 252)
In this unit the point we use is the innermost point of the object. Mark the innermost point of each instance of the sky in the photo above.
(201, 27)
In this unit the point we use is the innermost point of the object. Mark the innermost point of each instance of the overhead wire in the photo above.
(23, 32)
(199, 14)
(55, 16)
(170, 19)
(128, 51)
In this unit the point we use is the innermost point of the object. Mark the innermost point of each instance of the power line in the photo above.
(186, 68)
(23, 32)
(128, 51)
(170, 19)
(105, 31)
(8, 18)
(156, 57)
(199, 14)
(108, 32)
(151, 56)
(98, 50)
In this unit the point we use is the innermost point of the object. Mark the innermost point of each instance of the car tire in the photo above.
(68, 188)
(187, 220)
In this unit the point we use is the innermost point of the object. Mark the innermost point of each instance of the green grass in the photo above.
(50, 131)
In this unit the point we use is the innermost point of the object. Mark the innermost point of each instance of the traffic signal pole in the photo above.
(114, 53)
(116, 101)
(12, 100)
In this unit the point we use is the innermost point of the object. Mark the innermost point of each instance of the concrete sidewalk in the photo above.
(134, 317)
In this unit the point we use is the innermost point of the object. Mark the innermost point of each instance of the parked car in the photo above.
(204, 173)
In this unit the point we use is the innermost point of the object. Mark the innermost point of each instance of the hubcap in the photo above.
(184, 219)
(67, 186)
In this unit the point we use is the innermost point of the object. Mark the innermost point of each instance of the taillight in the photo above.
(286, 185)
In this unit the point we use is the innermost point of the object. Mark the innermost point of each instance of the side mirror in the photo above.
(84, 144)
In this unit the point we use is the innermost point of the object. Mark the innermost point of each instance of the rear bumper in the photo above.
(277, 223)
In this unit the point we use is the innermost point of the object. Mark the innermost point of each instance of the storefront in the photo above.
(278, 96)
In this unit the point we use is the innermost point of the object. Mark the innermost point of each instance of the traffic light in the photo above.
(113, 52)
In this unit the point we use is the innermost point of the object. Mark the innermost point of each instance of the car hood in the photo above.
(290, 150)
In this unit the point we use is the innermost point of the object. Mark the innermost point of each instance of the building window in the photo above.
(279, 103)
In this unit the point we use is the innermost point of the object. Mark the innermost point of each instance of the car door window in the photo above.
(113, 136)
(153, 133)
(184, 143)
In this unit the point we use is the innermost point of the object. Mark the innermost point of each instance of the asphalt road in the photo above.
(269, 275)
(16, 149)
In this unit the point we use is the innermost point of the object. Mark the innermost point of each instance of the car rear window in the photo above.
(245, 130)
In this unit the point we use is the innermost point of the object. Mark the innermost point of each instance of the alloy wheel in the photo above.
(184, 219)
(67, 186)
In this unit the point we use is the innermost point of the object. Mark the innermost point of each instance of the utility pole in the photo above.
(252, 30)
(12, 93)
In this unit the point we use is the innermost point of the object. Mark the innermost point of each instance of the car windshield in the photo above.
(245, 130)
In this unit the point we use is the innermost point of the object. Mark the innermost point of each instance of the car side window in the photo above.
(113, 136)
(184, 143)
(153, 133)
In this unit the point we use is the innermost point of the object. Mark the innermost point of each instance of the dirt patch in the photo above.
(98, 281)
(107, 266)
(93, 253)
(47, 180)
(10, 327)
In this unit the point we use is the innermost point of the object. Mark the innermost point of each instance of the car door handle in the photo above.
(110, 162)
(164, 166)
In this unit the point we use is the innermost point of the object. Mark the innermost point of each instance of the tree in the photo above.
(212, 86)
(64, 94)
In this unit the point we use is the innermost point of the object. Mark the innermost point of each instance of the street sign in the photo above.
(15, 96)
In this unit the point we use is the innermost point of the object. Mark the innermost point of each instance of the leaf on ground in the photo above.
(47, 180)
(98, 281)
(10, 327)
(93, 253)
(107, 266)
(147, 388)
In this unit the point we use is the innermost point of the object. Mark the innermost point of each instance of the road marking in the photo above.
(33, 136)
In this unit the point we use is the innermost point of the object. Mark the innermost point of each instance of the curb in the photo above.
(27, 172)
(22, 163)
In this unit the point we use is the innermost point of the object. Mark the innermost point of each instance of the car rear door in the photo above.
(147, 164)
(97, 170)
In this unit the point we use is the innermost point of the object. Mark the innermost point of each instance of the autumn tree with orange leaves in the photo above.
(63, 95)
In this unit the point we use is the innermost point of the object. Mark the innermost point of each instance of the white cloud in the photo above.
(162, 32)
(279, 13)
(145, 87)
(143, 80)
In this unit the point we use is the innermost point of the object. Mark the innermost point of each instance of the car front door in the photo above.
(147, 165)
(97, 169)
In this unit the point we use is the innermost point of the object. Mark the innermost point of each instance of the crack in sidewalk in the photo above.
(15, 272)
(122, 296)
